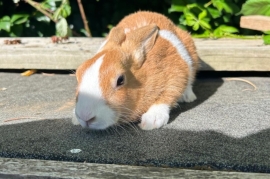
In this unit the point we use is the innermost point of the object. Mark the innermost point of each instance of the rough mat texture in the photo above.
(228, 127)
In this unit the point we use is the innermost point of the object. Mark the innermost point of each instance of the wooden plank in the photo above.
(255, 22)
(41, 53)
(41, 169)
(218, 55)
(233, 55)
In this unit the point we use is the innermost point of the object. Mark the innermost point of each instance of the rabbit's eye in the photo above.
(120, 80)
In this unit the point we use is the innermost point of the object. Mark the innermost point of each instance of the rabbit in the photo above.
(143, 69)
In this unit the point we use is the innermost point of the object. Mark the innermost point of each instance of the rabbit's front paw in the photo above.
(155, 117)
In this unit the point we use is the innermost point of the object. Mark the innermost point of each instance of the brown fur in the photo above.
(157, 76)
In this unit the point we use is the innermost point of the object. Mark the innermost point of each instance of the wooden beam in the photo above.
(40, 169)
(256, 22)
(218, 55)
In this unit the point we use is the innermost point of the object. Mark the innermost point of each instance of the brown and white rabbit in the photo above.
(145, 66)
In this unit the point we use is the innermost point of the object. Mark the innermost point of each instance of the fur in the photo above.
(159, 63)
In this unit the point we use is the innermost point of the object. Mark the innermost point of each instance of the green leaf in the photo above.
(202, 15)
(205, 34)
(176, 9)
(177, 6)
(267, 32)
(182, 20)
(194, 5)
(214, 12)
(5, 23)
(19, 18)
(228, 29)
(217, 32)
(196, 26)
(189, 15)
(224, 30)
(190, 22)
(266, 39)
(205, 24)
(46, 5)
(256, 7)
(218, 4)
(50, 4)
(65, 10)
(62, 28)
(227, 7)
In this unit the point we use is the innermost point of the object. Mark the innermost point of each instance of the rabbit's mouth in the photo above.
(98, 118)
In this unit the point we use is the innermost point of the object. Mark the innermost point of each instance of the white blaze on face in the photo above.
(91, 103)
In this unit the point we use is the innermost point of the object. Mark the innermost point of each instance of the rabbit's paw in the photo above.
(155, 117)
(188, 96)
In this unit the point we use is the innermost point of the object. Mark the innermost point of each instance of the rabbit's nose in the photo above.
(85, 116)
(91, 120)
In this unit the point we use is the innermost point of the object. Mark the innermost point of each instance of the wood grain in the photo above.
(217, 55)
(29, 168)
(255, 22)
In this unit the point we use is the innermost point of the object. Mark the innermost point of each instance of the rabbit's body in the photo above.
(142, 70)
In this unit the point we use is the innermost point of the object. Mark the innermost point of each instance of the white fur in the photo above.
(74, 119)
(188, 95)
(156, 116)
(91, 102)
(176, 42)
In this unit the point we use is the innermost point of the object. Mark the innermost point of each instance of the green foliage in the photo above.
(60, 15)
(203, 18)
(266, 38)
(13, 24)
(258, 7)
(62, 29)
(101, 15)
(214, 18)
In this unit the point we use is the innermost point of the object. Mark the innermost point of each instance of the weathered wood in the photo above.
(233, 55)
(218, 55)
(23, 168)
(41, 53)
(255, 22)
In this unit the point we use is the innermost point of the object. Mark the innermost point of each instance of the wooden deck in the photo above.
(217, 55)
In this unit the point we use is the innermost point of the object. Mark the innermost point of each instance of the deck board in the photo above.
(217, 55)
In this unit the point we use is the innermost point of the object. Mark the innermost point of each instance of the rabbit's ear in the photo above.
(117, 36)
(140, 42)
